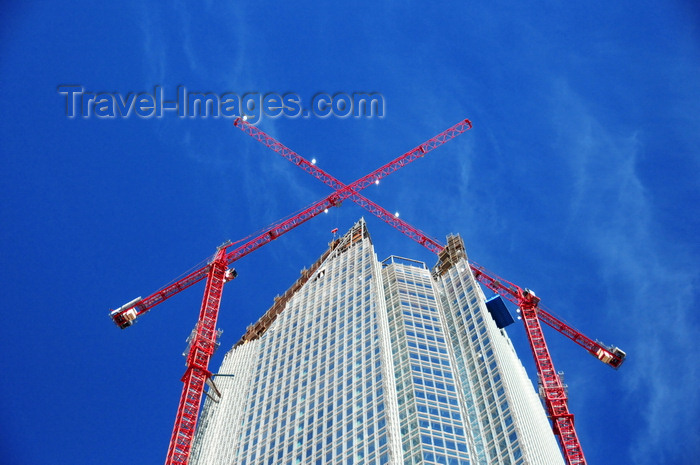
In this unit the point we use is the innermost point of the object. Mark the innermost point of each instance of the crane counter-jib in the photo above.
(125, 315)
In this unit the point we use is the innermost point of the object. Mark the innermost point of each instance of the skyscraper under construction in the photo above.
(363, 361)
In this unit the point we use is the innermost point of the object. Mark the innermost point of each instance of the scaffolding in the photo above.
(451, 254)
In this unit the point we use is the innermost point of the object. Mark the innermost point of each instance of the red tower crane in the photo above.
(203, 340)
(554, 392)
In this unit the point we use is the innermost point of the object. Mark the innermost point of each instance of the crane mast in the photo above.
(202, 345)
(553, 391)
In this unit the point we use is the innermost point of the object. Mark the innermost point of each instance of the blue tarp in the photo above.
(498, 310)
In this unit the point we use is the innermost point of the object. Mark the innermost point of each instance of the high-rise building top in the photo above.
(364, 361)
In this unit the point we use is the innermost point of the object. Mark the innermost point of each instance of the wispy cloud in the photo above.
(164, 49)
(154, 48)
(612, 214)
(218, 67)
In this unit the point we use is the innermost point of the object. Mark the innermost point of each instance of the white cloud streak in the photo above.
(612, 214)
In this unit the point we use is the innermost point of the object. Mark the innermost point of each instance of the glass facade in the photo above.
(376, 363)
(431, 421)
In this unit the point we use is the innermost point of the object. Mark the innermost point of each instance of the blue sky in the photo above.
(579, 180)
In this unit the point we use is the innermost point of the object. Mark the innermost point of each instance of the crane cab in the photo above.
(230, 275)
(530, 296)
